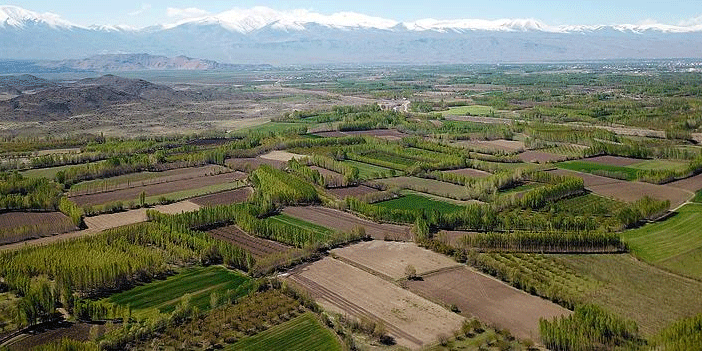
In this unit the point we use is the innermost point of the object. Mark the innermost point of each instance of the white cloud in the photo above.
(691, 21)
(189, 12)
(144, 7)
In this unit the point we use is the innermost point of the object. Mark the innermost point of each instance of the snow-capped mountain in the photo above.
(264, 35)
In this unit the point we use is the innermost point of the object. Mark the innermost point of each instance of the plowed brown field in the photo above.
(224, 197)
(344, 221)
(257, 246)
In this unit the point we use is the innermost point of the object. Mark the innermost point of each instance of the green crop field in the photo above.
(401, 161)
(303, 333)
(190, 193)
(283, 218)
(659, 165)
(698, 197)
(47, 172)
(591, 167)
(368, 171)
(164, 295)
(474, 110)
(418, 202)
(587, 204)
(675, 243)
(636, 290)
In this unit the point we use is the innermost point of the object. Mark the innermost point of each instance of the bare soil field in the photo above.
(359, 190)
(332, 134)
(630, 191)
(151, 178)
(99, 223)
(540, 157)
(390, 258)
(257, 246)
(18, 226)
(224, 197)
(499, 144)
(325, 172)
(613, 160)
(344, 221)
(73, 331)
(277, 155)
(452, 237)
(488, 299)
(469, 172)
(430, 186)
(412, 320)
(156, 189)
(248, 164)
(690, 184)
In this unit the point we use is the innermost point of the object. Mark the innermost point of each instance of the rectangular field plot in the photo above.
(303, 333)
(588, 204)
(368, 171)
(490, 300)
(412, 320)
(659, 165)
(675, 243)
(540, 157)
(257, 246)
(418, 202)
(320, 230)
(164, 295)
(19, 226)
(359, 190)
(390, 258)
(613, 160)
(622, 172)
(693, 183)
(225, 197)
(493, 145)
(430, 186)
(637, 290)
(345, 222)
(161, 189)
(469, 172)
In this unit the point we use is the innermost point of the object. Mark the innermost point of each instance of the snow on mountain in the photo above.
(18, 17)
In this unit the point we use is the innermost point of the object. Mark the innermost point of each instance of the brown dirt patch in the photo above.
(344, 221)
(630, 191)
(224, 198)
(390, 258)
(332, 134)
(156, 189)
(74, 331)
(540, 157)
(257, 246)
(690, 184)
(19, 226)
(488, 299)
(469, 172)
(430, 186)
(452, 237)
(277, 155)
(352, 191)
(497, 145)
(613, 160)
(412, 320)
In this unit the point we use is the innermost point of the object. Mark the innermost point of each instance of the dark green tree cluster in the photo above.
(644, 208)
(520, 241)
(683, 335)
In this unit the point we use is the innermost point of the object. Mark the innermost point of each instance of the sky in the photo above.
(137, 13)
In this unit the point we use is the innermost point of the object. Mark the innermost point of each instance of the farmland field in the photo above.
(675, 243)
(387, 134)
(157, 190)
(693, 183)
(587, 204)
(418, 202)
(251, 163)
(659, 165)
(568, 150)
(257, 246)
(278, 155)
(359, 190)
(163, 296)
(345, 222)
(430, 186)
(469, 172)
(390, 258)
(143, 179)
(320, 230)
(368, 171)
(613, 160)
(302, 333)
(224, 198)
(474, 110)
(488, 299)
(47, 172)
(636, 290)
(19, 226)
(411, 320)
(493, 145)
(592, 167)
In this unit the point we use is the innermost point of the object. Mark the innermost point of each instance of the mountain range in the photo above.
(263, 35)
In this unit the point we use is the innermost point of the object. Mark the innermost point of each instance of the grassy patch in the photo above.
(418, 202)
(303, 333)
(368, 171)
(595, 168)
(472, 110)
(430, 186)
(277, 127)
(698, 197)
(675, 243)
(283, 218)
(589, 204)
(47, 172)
(164, 295)
(636, 290)
(659, 165)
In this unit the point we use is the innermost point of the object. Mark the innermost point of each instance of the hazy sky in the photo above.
(143, 13)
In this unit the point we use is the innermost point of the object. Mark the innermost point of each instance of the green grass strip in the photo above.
(303, 333)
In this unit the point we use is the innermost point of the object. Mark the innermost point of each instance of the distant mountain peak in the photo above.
(15, 16)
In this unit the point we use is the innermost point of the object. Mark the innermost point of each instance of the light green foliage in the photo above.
(303, 333)
(418, 202)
